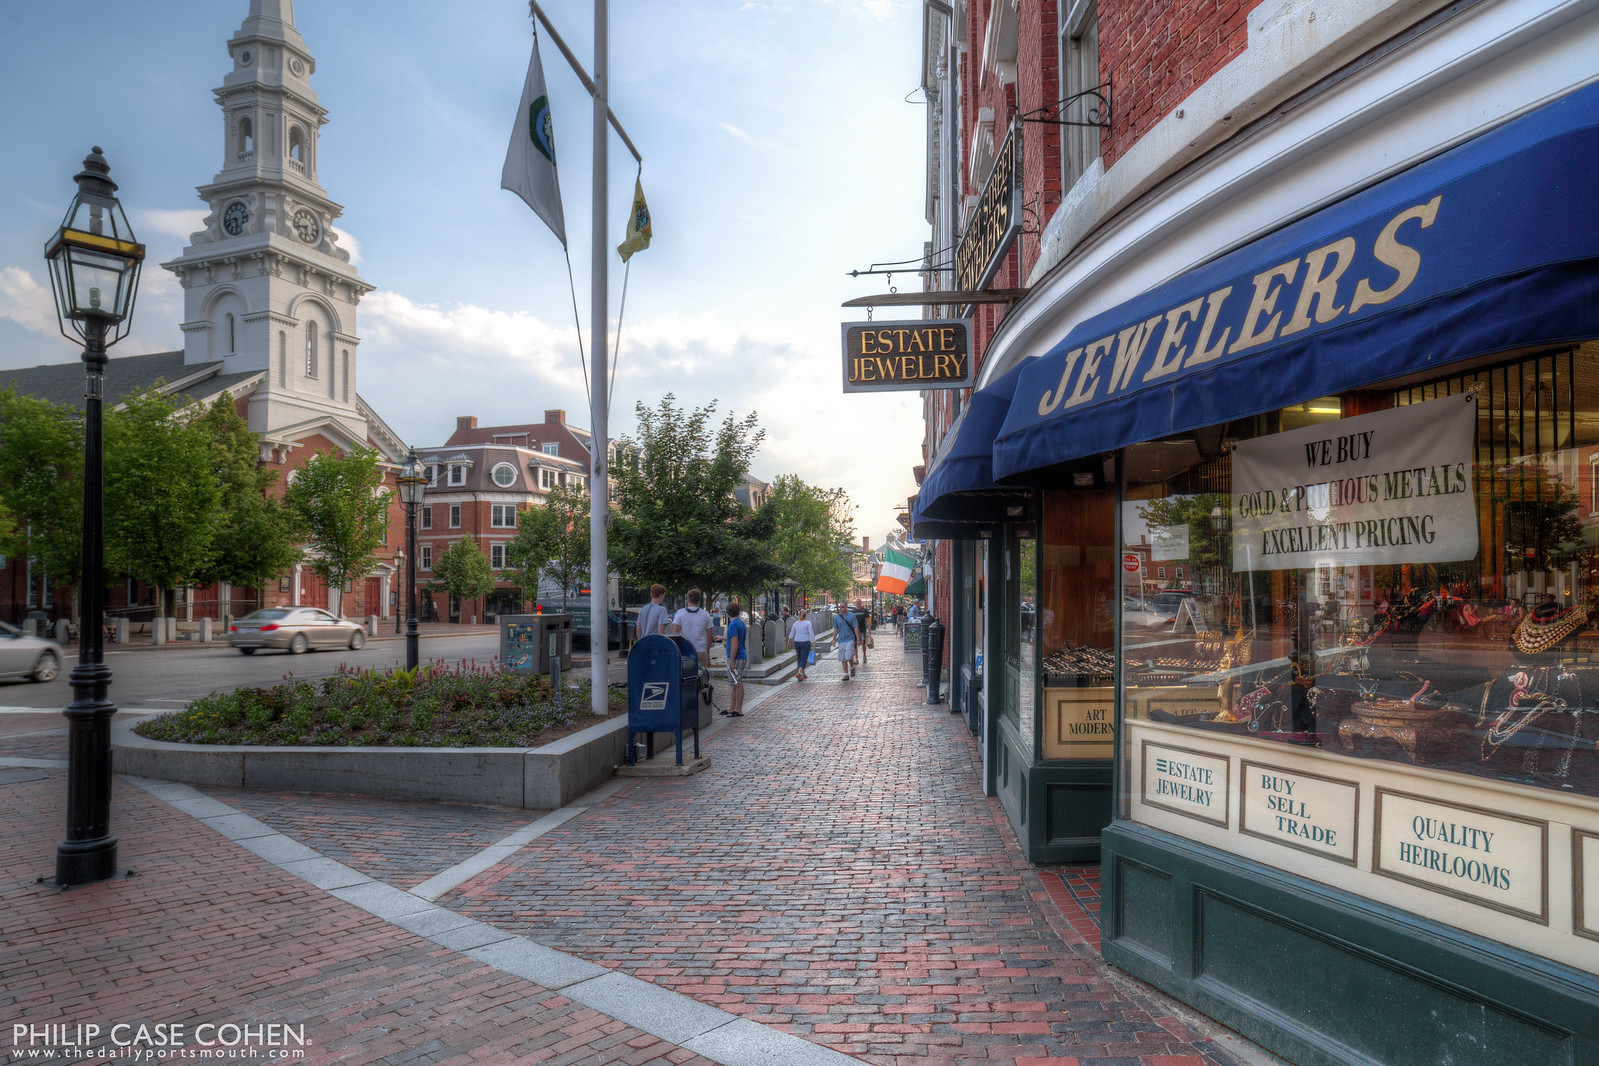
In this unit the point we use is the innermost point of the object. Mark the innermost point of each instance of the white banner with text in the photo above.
(1389, 487)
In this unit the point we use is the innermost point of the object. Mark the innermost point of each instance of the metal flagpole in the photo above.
(599, 392)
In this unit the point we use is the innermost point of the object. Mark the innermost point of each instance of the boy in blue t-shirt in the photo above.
(738, 657)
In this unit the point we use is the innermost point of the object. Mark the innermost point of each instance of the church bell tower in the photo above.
(267, 289)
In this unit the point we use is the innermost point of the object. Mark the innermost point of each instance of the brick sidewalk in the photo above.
(835, 880)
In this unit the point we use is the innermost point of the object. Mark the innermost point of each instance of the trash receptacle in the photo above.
(935, 661)
(529, 642)
(663, 692)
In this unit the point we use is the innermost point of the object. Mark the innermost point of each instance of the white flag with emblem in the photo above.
(529, 169)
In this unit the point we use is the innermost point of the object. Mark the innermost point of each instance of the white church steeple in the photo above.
(266, 287)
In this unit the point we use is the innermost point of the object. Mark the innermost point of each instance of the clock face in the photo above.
(235, 218)
(306, 226)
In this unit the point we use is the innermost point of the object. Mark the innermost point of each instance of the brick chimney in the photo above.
(465, 422)
(558, 417)
(866, 544)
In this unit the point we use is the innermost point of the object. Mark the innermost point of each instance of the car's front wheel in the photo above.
(298, 644)
(357, 640)
(47, 668)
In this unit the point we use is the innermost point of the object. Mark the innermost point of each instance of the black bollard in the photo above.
(933, 641)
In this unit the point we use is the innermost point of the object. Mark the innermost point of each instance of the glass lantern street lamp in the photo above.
(94, 259)
(94, 273)
(412, 481)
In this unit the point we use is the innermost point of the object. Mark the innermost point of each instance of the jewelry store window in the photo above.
(1074, 624)
(1381, 670)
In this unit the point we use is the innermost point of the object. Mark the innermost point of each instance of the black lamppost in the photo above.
(94, 272)
(412, 483)
(399, 562)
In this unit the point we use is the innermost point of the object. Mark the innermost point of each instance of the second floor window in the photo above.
(455, 516)
(426, 557)
(427, 518)
(1079, 63)
(497, 556)
(504, 516)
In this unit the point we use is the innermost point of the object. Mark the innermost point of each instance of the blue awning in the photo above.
(964, 465)
(1490, 246)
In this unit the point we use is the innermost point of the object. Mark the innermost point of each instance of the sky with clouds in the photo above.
(784, 145)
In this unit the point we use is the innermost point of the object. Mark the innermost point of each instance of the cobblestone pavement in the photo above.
(834, 886)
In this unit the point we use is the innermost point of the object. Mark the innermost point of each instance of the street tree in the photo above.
(162, 500)
(810, 524)
(41, 482)
(463, 570)
(256, 538)
(553, 540)
(679, 519)
(342, 509)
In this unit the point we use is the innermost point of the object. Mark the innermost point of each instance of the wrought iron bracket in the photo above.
(1095, 109)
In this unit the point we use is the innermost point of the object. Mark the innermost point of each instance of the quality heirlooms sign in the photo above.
(995, 221)
(934, 353)
(1389, 487)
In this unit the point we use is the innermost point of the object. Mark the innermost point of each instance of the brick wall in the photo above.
(1157, 52)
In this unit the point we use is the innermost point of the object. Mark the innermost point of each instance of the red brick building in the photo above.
(1194, 238)
(479, 481)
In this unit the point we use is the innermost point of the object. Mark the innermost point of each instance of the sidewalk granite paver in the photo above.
(837, 877)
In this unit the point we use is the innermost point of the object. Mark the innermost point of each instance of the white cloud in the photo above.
(423, 365)
(149, 223)
(26, 302)
(735, 131)
(349, 243)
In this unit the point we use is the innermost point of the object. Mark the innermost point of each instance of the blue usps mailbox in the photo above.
(663, 691)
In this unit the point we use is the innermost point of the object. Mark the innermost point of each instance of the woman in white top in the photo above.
(802, 636)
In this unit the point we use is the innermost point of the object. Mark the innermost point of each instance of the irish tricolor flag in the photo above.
(895, 573)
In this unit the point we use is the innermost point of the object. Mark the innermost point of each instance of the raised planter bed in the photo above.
(541, 778)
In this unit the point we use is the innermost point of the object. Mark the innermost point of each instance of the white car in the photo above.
(1142, 614)
(32, 658)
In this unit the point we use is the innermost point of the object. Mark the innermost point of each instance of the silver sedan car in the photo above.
(296, 629)
(33, 658)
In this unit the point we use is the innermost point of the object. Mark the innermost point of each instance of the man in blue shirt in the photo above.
(738, 658)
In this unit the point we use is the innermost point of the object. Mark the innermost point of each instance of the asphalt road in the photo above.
(168, 678)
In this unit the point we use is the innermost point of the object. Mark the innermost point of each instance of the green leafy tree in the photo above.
(343, 510)
(679, 522)
(530, 551)
(463, 570)
(162, 501)
(565, 517)
(256, 538)
(804, 545)
(41, 482)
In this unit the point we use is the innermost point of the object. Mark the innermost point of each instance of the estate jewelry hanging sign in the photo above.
(1389, 487)
(934, 353)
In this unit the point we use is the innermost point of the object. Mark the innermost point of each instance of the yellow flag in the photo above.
(638, 225)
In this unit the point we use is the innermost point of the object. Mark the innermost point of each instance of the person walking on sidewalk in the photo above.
(802, 636)
(695, 625)
(863, 632)
(845, 627)
(652, 616)
(738, 658)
